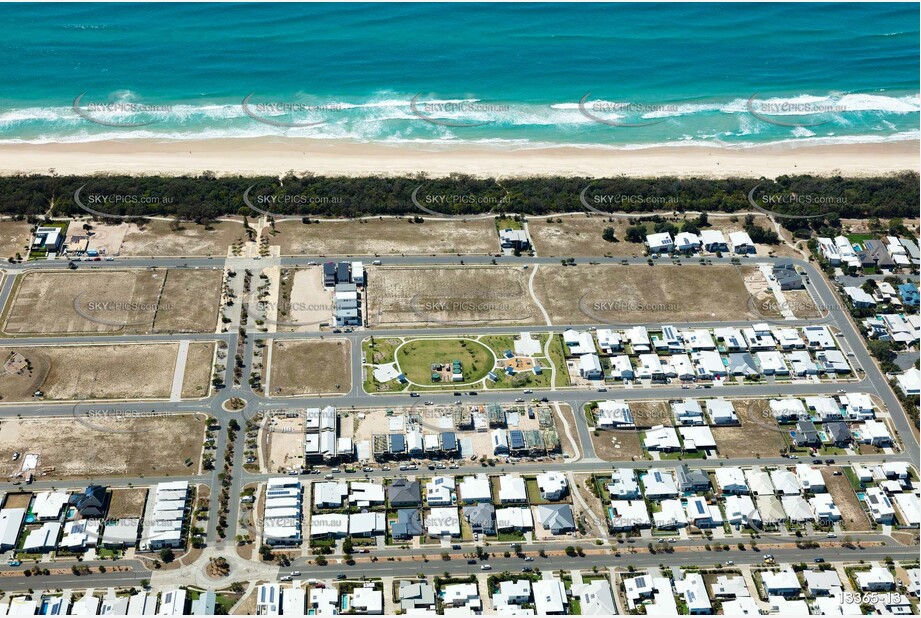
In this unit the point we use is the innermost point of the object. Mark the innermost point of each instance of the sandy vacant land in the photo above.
(853, 517)
(758, 435)
(310, 367)
(386, 237)
(127, 503)
(580, 236)
(122, 301)
(474, 295)
(143, 371)
(617, 445)
(189, 301)
(158, 238)
(615, 294)
(75, 448)
(14, 238)
(307, 303)
(195, 380)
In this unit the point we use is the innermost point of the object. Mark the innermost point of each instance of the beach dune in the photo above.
(276, 156)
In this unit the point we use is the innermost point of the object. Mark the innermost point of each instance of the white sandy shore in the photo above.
(277, 156)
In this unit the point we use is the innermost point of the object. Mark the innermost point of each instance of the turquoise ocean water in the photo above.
(646, 74)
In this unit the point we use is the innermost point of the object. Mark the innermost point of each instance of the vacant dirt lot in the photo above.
(853, 517)
(641, 294)
(617, 445)
(474, 295)
(14, 238)
(156, 238)
(127, 503)
(651, 413)
(386, 237)
(758, 434)
(310, 367)
(580, 236)
(125, 301)
(189, 301)
(197, 370)
(94, 372)
(71, 448)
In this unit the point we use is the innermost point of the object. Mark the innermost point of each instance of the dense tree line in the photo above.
(208, 196)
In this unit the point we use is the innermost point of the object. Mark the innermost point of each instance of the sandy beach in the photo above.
(279, 155)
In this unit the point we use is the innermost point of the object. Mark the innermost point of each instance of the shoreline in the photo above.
(277, 156)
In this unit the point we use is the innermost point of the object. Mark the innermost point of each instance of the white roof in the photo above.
(732, 479)
(671, 515)
(785, 482)
(475, 488)
(695, 593)
(518, 517)
(329, 493)
(697, 438)
(512, 488)
(325, 524)
(788, 407)
(624, 484)
(549, 596)
(629, 514)
(663, 239)
(660, 438)
(366, 493)
(43, 538)
(368, 600)
(659, 483)
(796, 508)
(710, 237)
(739, 509)
(782, 580)
(759, 482)
(740, 238)
(367, 523)
(443, 521)
(809, 478)
(821, 580)
(48, 504)
(10, 525)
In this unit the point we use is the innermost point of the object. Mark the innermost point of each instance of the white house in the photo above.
(660, 243)
(741, 242)
(686, 241)
(731, 481)
(713, 241)
(443, 521)
(661, 438)
(613, 414)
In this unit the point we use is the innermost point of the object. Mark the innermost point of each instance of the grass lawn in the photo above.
(379, 351)
(505, 223)
(558, 358)
(499, 343)
(860, 238)
(416, 357)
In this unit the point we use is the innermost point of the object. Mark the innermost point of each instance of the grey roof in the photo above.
(416, 594)
(875, 253)
(838, 431)
(404, 492)
(556, 517)
(482, 516)
(805, 433)
(408, 524)
(742, 362)
(692, 478)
